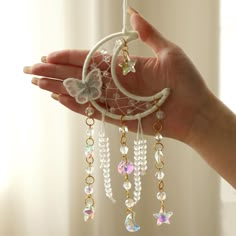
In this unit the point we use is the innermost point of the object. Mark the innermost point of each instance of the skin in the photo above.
(193, 114)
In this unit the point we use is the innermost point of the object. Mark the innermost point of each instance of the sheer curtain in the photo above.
(41, 161)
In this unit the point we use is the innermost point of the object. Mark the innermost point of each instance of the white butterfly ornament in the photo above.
(84, 91)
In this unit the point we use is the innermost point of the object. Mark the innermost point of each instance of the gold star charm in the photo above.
(128, 66)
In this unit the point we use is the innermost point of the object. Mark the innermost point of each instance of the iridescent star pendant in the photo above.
(128, 66)
(163, 217)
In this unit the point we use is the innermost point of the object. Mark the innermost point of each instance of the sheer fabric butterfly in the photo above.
(85, 91)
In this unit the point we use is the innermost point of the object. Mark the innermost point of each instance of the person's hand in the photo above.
(169, 68)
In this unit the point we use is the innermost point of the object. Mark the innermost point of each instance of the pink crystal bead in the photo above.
(125, 167)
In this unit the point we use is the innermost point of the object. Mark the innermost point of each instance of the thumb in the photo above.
(147, 33)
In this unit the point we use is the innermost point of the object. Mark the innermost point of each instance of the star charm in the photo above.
(128, 66)
(88, 213)
(163, 217)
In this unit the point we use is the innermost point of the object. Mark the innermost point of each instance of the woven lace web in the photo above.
(112, 99)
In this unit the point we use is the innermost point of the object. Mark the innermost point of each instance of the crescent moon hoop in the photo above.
(159, 97)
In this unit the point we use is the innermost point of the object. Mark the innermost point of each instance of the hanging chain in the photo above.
(162, 216)
(89, 157)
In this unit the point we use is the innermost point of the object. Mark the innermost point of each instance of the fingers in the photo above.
(51, 85)
(54, 71)
(67, 57)
(147, 32)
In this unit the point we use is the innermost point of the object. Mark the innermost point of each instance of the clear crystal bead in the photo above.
(108, 190)
(89, 111)
(127, 185)
(109, 195)
(107, 180)
(106, 170)
(161, 196)
(123, 129)
(138, 183)
(106, 175)
(103, 51)
(106, 165)
(129, 202)
(160, 175)
(137, 193)
(138, 188)
(107, 185)
(137, 173)
(137, 178)
(88, 190)
(143, 162)
(158, 137)
(160, 115)
(124, 150)
(137, 198)
(89, 170)
(90, 132)
(143, 168)
(159, 155)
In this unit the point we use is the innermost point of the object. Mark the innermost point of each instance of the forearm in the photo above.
(213, 136)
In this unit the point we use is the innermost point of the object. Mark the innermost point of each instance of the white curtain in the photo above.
(41, 161)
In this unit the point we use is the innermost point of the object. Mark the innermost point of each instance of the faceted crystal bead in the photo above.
(138, 183)
(159, 155)
(144, 168)
(107, 180)
(89, 150)
(123, 129)
(107, 58)
(160, 115)
(138, 188)
(89, 111)
(89, 170)
(127, 185)
(88, 212)
(161, 196)
(124, 150)
(137, 173)
(106, 175)
(160, 175)
(129, 202)
(125, 167)
(107, 185)
(90, 132)
(137, 178)
(88, 190)
(137, 193)
(103, 51)
(158, 137)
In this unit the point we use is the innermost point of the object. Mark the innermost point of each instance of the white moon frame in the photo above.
(129, 36)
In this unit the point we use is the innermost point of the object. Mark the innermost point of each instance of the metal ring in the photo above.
(89, 179)
(159, 165)
(90, 121)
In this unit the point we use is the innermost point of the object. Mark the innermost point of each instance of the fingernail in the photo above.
(27, 69)
(131, 11)
(44, 59)
(34, 81)
(55, 96)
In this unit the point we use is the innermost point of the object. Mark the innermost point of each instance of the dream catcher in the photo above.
(102, 91)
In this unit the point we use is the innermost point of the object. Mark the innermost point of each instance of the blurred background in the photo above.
(41, 150)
